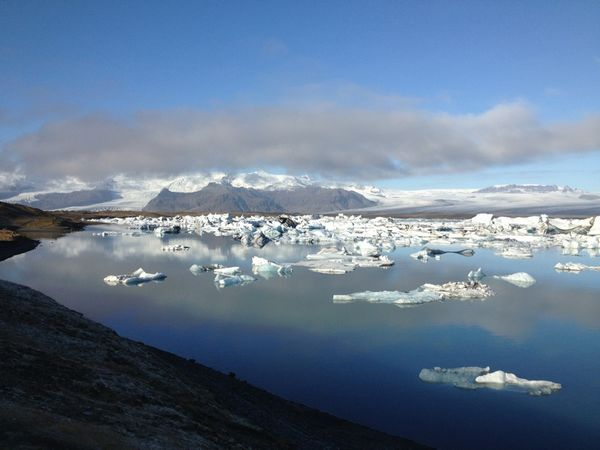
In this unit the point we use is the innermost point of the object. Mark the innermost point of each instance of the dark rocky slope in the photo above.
(216, 197)
(67, 382)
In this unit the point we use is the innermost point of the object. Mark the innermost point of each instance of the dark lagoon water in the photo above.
(358, 361)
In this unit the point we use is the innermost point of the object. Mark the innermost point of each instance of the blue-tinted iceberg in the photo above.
(140, 276)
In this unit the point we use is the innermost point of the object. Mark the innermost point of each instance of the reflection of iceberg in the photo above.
(424, 294)
(520, 279)
(481, 377)
(137, 277)
(267, 269)
(574, 267)
(426, 253)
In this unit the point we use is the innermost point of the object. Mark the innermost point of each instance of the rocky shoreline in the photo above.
(69, 382)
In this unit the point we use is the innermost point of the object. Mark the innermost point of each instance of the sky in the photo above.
(405, 94)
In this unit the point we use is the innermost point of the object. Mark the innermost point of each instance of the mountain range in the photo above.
(265, 192)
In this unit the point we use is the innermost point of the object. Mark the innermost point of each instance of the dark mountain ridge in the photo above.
(218, 197)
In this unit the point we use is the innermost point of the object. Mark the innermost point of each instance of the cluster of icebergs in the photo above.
(510, 237)
(481, 377)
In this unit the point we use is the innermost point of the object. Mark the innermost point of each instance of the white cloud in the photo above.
(327, 141)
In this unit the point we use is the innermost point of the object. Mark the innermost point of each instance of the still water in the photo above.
(358, 361)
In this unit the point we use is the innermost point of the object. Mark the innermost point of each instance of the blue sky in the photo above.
(73, 69)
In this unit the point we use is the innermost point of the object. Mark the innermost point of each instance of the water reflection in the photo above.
(356, 360)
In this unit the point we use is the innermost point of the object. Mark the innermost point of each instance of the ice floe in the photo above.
(175, 248)
(574, 267)
(267, 269)
(481, 377)
(426, 293)
(232, 280)
(139, 276)
(519, 279)
(198, 268)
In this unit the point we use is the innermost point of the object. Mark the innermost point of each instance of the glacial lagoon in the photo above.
(360, 361)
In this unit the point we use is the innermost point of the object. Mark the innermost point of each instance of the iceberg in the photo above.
(197, 268)
(461, 377)
(516, 253)
(267, 269)
(574, 267)
(139, 276)
(500, 379)
(426, 293)
(475, 276)
(519, 279)
(481, 377)
(329, 266)
(232, 280)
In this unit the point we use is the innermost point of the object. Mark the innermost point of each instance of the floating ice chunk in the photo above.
(516, 253)
(232, 280)
(137, 277)
(421, 255)
(519, 279)
(475, 276)
(462, 377)
(415, 297)
(459, 290)
(328, 266)
(267, 269)
(227, 271)
(173, 229)
(500, 379)
(369, 261)
(481, 377)
(196, 268)
(424, 294)
(574, 267)
(175, 248)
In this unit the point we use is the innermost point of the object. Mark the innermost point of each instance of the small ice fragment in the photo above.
(475, 276)
(329, 266)
(267, 269)
(516, 253)
(519, 279)
(197, 268)
(137, 277)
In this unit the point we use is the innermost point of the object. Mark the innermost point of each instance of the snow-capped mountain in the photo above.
(126, 193)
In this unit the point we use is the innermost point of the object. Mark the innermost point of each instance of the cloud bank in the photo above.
(330, 142)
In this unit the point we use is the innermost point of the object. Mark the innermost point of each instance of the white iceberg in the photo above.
(139, 276)
(519, 279)
(329, 266)
(574, 267)
(475, 276)
(267, 269)
(481, 377)
(516, 253)
(424, 294)
(197, 268)
(329, 253)
(500, 379)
